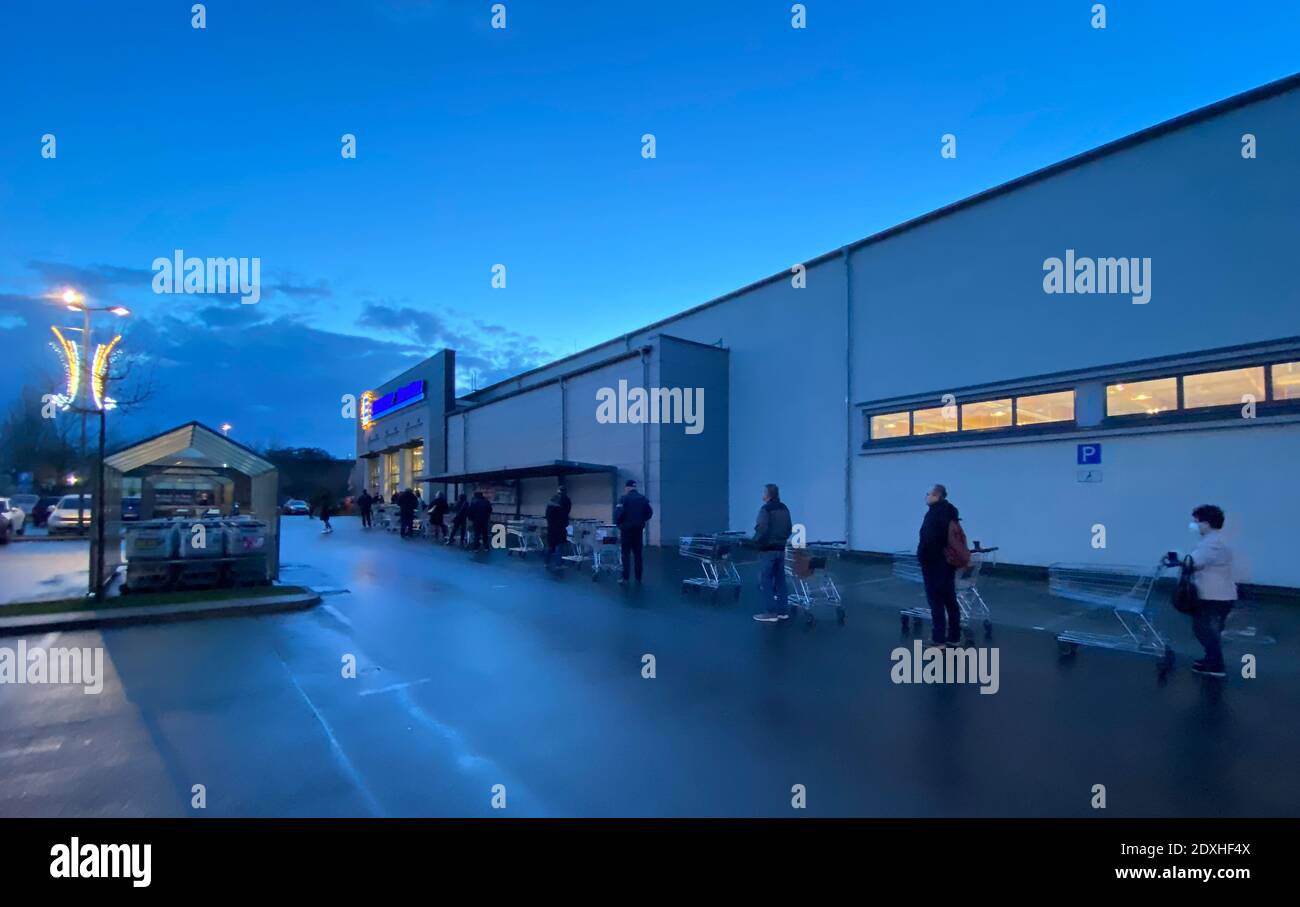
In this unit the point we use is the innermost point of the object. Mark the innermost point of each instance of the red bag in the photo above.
(957, 554)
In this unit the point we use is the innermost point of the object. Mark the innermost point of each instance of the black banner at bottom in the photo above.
(330, 856)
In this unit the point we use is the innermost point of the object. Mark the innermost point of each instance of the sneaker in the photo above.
(767, 617)
(785, 615)
(1202, 669)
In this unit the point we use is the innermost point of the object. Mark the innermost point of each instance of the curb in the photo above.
(156, 614)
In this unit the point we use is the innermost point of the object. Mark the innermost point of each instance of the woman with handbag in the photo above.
(1209, 569)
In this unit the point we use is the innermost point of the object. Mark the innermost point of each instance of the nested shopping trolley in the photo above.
(606, 551)
(524, 535)
(714, 552)
(808, 568)
(582, 541)
(974, 610)
(1123, 591)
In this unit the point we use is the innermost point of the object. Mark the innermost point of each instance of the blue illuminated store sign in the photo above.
(395, 400)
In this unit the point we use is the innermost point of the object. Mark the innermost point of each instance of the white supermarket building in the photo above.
(1109, 341)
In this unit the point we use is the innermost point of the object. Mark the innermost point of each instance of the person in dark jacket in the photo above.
(326, 510)
(940, 577)
(406, 504)
(459, 515)
(479, 514)
(772, 530)
(437, 511)
(631, 516)
(366, 504)
(557, 525)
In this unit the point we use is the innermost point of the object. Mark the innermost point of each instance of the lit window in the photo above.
(934, 421)
(1286, 381)
(417, 461)
(986, 414)
(1039, 408)
(1149, 397)
(1223, 388)
(889, 425)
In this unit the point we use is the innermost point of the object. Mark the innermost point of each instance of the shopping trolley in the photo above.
(974, 610)
(808, 569)
(526, 534)
(714, 554)
(606, 551)
(1126, 593)
(582, 541)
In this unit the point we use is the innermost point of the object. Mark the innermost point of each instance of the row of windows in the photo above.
(1147, 397)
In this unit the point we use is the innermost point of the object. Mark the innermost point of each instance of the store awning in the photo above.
(553, 469)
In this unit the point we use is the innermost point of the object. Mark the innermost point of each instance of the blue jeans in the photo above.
(1207, 624)
(771, 580)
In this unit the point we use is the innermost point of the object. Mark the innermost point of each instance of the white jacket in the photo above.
(1212, 563)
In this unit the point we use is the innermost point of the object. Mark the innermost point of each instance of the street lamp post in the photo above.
(91, 397)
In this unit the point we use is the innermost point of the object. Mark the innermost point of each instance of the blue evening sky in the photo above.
(521, 146)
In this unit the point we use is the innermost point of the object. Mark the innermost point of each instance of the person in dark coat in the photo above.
(366, 504)
(557, 525)
(479, 513)
(459, 515)
(940, 577)
(437, 511)
(631, 516)
(772, 530)
(406, 504)
(326, 510)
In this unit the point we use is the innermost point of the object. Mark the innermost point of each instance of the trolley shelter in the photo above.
(189, 471)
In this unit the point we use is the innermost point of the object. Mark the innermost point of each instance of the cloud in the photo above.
(485, 353)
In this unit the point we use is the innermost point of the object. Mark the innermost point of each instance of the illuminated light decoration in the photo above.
(367, 416)
(99, 373)
(72, 367)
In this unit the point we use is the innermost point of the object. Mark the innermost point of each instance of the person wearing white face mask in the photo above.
(1216, 590)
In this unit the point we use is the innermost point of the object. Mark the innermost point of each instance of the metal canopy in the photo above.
(193, 444)
(540, 470)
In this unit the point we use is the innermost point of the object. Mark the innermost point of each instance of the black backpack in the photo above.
(1185, 597)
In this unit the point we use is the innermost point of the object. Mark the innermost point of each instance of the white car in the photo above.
(295, 507)
(63, 518)
(16, 516)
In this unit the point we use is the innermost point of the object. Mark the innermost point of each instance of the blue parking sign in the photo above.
(1089, 455)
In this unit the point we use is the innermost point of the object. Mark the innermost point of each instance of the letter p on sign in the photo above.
(1089, 454)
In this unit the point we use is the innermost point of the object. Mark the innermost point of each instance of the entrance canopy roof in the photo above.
(538, 471)
(192, 445)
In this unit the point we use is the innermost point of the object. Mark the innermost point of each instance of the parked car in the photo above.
(131, 508)
(64, 517)
(5, 530)
(44, 507)
(15, 515)
(27, 503)
(294, 507)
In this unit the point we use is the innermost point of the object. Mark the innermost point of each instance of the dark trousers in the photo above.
(437, 530)
(941, 593)
(1207, 623)
(631, 541)
(771, 580)
(408, 524)
(480, 537)
(457, 528)
(365, 518)
(554, 547)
